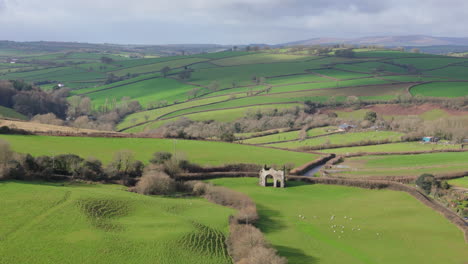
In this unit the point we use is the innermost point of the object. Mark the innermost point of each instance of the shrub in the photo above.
(242, 239)
(263, 255)
(160, 157)
(155, 182)
(425, 182)
(199, 188)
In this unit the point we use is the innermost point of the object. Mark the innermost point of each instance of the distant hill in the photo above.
(389, 41)
(162, 50)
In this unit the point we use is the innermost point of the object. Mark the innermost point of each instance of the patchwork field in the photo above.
(72, 223)
(351, 225)
(201, 152)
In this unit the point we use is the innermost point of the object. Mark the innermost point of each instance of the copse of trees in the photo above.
(106, 60)
(30, 100)
(346, 53)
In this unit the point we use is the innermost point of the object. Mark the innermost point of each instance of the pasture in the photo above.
(291, 135)
(351, 225)
(393, 147)
(460, 182)
(10, 113)
(441, 89)
(200, 152)
(79, 223)
(402, 165)
(342, 138)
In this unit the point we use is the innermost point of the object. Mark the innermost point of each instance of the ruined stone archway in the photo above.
(277, 175)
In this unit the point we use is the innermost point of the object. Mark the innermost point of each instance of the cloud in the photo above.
(226, 21)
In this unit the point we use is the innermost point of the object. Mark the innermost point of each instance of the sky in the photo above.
(226, 21)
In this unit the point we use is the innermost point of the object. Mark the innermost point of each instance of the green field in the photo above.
(260, 58)
(461, 182)
(201, 152)
(392, 147)
(73, 223)
(145, 92)
(441, 89)
(10, 113)
(292, 135)
(343, 138)
(371, 75)
(403, 165)
(394, 226)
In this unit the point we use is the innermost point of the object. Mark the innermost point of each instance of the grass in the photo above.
(145, 92)
(158, 66)
(10, 113)
(342, 75)
(292, 135)
(294, 79)
(201, 152)
(403, 165)
(429, 63)
(73, 223)
(345, 138)
(441, 89)
(156, 113)
(405, 226)
(460, 182)
(221, 115)
(260, 58)
(455, 72)
(392, 147)
(371, 67)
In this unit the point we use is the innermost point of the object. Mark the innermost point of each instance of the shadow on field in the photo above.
(267, 222)
(292, 184)
(296, 256)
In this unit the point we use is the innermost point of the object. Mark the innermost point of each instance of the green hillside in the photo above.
(73, 223)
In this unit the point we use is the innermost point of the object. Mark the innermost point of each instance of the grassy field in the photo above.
(145, 92)
(455, 72)
(441, 89)
(156, 113)
(461, 182)
(403, 165)
(8, 112)
(344, 138)
(392, 147)
(429, 63)
(292, 135)
(260, 58)
(72, 223)
(201, 152)
(380, 226)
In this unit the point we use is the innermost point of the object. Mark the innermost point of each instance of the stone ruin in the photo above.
(277, 176)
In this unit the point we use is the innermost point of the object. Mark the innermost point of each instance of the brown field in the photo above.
(44, 128)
